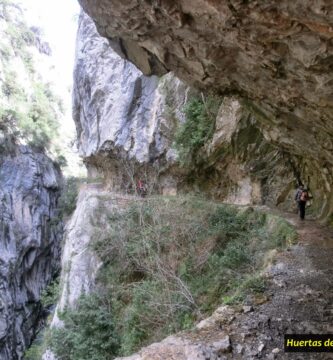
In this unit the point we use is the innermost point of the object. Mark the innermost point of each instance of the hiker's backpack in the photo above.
(304, 196)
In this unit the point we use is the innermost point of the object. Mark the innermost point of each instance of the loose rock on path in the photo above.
(300, 298)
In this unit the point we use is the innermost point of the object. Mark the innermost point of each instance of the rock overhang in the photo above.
(275, 58)
(276, 55)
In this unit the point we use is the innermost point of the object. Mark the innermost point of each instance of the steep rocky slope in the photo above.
(30, 237)
(136, 270)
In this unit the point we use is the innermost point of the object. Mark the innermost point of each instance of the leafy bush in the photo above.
(50, 295)
(34, 111)
(235, 255)
(10, 87)
(88, 332)
(40, 125)
(20, 35)
(68, 199)
(198, 128)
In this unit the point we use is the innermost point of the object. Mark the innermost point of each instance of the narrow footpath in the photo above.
(299, 298)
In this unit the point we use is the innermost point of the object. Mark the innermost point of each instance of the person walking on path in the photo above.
(302, 196)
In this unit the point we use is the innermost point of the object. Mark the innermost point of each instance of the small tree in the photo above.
(88, 333)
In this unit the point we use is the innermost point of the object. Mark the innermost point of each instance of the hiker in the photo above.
(302, 196)
(141, 188)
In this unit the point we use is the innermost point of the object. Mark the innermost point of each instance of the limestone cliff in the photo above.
(79, 264)
(127, 123)
(30, 237)
(264, 139)
(119, 112)
(278, 55)
(274, 57)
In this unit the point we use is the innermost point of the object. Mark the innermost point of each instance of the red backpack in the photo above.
(304, 196)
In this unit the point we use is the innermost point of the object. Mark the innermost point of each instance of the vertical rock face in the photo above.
(127, 122)
(276, 58)
(255, 155)
(79, 262)
(30, 227)
(30, 235)
(118, 110)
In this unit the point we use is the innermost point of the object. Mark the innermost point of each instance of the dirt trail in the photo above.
(300, 298)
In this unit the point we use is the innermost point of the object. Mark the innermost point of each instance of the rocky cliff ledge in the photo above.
(120, 114)
(30, 237)
(127, 124)
(279, 55)
(276, 56)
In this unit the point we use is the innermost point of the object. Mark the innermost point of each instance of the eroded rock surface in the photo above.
(276, 58)
(183, 349)
(277, 54)
(127, 123)
(30, 235)
(79, 263)
(116, 108)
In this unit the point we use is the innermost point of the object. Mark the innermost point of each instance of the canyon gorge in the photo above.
(221, 108)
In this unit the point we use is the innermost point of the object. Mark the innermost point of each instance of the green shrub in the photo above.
(28, 62)
(88, 332)
(10, 87)
(33, 353)
(61, 159)
(40, 125)
(256, 284)
(235, 255)
(50, 295)
(69, 194)
(198, 128)
(35, 111)
(251, 284)
(19, 34)
(38, 347)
